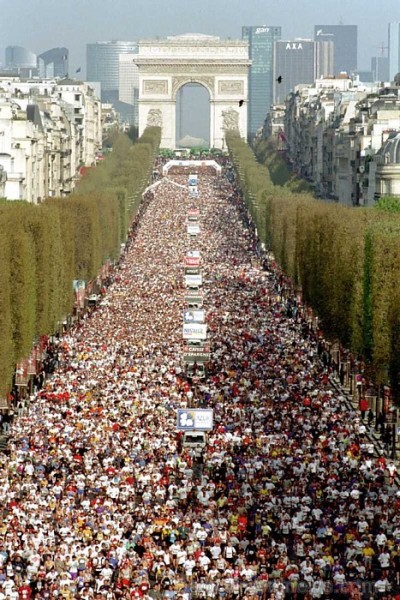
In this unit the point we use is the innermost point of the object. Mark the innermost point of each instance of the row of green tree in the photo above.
(44, 248)
(346, 261)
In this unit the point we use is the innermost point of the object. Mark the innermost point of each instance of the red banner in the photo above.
(190, 261)
(193, 212)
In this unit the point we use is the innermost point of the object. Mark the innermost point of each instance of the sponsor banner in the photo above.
(79, 286)
(387, 398)
(191, 163)
(194, 316)
(192, 270)
(200, 419)
(193, 179)
(31, 366)
(193, 212)
(193, 229)
(192, 262)
(193, 254)
(200, 359)
(190, 293)
(193, 191)
(194, 331)
(193, 280)
(196, 354)
(196, 301)
(4, 403)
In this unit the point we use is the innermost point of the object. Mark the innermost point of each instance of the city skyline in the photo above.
(39, 24)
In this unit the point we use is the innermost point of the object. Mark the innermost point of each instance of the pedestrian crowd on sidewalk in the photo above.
(287, 500)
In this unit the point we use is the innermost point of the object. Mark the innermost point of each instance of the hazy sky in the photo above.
(42, 24)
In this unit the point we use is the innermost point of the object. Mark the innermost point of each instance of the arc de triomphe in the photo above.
(166, 65)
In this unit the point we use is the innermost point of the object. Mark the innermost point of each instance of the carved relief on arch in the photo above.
(178, 82)
(154, 118)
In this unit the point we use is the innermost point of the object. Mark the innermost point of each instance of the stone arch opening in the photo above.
(193, 114)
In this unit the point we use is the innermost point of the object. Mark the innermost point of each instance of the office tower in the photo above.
(261, 49)
(299, 61)
(53, 63)
(364, 76)
(344, 38)
(394, 49)
(129, 84)
(18, 57)
(102, 64)
(380, 68)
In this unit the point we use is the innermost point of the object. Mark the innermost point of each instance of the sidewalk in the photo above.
(372, 435)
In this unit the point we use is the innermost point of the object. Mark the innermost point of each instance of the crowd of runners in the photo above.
(287, 499)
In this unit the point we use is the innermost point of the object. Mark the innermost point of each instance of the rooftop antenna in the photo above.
(382, 48)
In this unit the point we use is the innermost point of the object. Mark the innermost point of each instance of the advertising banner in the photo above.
(193, 229)
(192, 262)
(193, 179)
(31, 366)
(193, 191)
(193, 254)
(194, 331)
(79, 291)
(195, 300)
(193, 280)
(200, 419)
(193, 212)
(192, 270)
(194, 316)
(196, 354)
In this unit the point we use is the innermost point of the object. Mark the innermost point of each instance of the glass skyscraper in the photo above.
(261, 49)
(19, 57)
(300, 61)
(380, 68)
(102, 64)
(394, 49)
(344, 38)
(53, 63)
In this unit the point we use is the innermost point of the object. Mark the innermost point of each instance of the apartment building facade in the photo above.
(48, 130)
(337, 135)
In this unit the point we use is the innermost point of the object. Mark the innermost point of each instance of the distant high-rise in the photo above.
(380, 68)
(344, 38)
(129, 84)
(18, 57)
(53, 63)
(102, 64)
(299, 61)
(394, 49)
(261, 48)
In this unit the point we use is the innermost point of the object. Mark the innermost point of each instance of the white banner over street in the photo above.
(194, 316)
(194, 331)
(200, 419)
(193, 229)
(193, 280)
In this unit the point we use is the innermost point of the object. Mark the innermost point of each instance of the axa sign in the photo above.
(294, 46)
